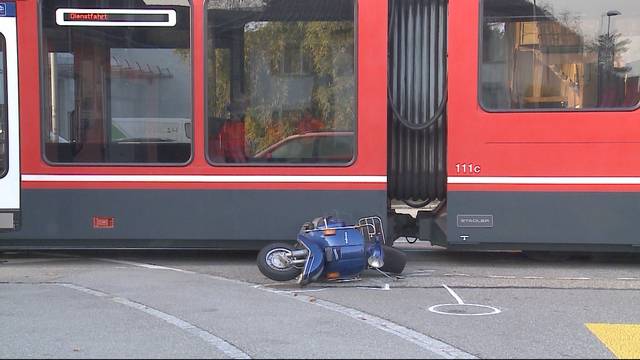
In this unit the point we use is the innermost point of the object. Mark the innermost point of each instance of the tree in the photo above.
(276, 55)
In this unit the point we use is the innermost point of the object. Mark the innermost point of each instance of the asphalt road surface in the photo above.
(154, 304)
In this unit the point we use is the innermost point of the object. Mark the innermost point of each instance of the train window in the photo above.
(281, 81)
(560, 55)
(117, 81)
(4, 114)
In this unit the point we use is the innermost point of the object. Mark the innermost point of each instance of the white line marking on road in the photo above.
(533, 277)
(455, 296)
(83, 289)
(574, 278)
(627, 278)
(423, 341)
(220, 344)
(502, 277)
(464, 275)
(148, 266)
(414, 275)
(385, 287)
(420, 273)
(290, 291)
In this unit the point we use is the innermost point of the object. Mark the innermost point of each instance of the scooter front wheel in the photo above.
(394, 260)
(274, 262)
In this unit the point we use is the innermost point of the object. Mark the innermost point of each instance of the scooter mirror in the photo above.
(375, 262)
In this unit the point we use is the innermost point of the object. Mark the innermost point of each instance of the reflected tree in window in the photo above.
(560, 54)
(288, 64)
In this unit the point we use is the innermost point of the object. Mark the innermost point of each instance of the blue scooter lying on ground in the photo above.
(328, 249)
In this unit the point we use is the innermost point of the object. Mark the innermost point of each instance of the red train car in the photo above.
(505, 124)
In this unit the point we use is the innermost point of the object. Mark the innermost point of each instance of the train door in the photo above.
(543, 151)
(9, 124)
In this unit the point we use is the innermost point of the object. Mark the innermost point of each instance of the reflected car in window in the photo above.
(314, 147)
(146, 130)
(287, 66)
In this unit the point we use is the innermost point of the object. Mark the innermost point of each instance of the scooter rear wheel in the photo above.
(272, 262)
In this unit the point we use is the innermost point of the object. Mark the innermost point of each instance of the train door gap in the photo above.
(417, 121)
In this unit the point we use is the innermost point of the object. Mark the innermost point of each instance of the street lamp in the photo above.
(611, 13)
(606, 54)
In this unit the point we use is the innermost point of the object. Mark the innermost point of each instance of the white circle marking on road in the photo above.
(492, 310)
(461, 304)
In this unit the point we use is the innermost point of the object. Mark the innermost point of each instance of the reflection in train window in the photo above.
(560, 54)
(278, 70)
(117, 94)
